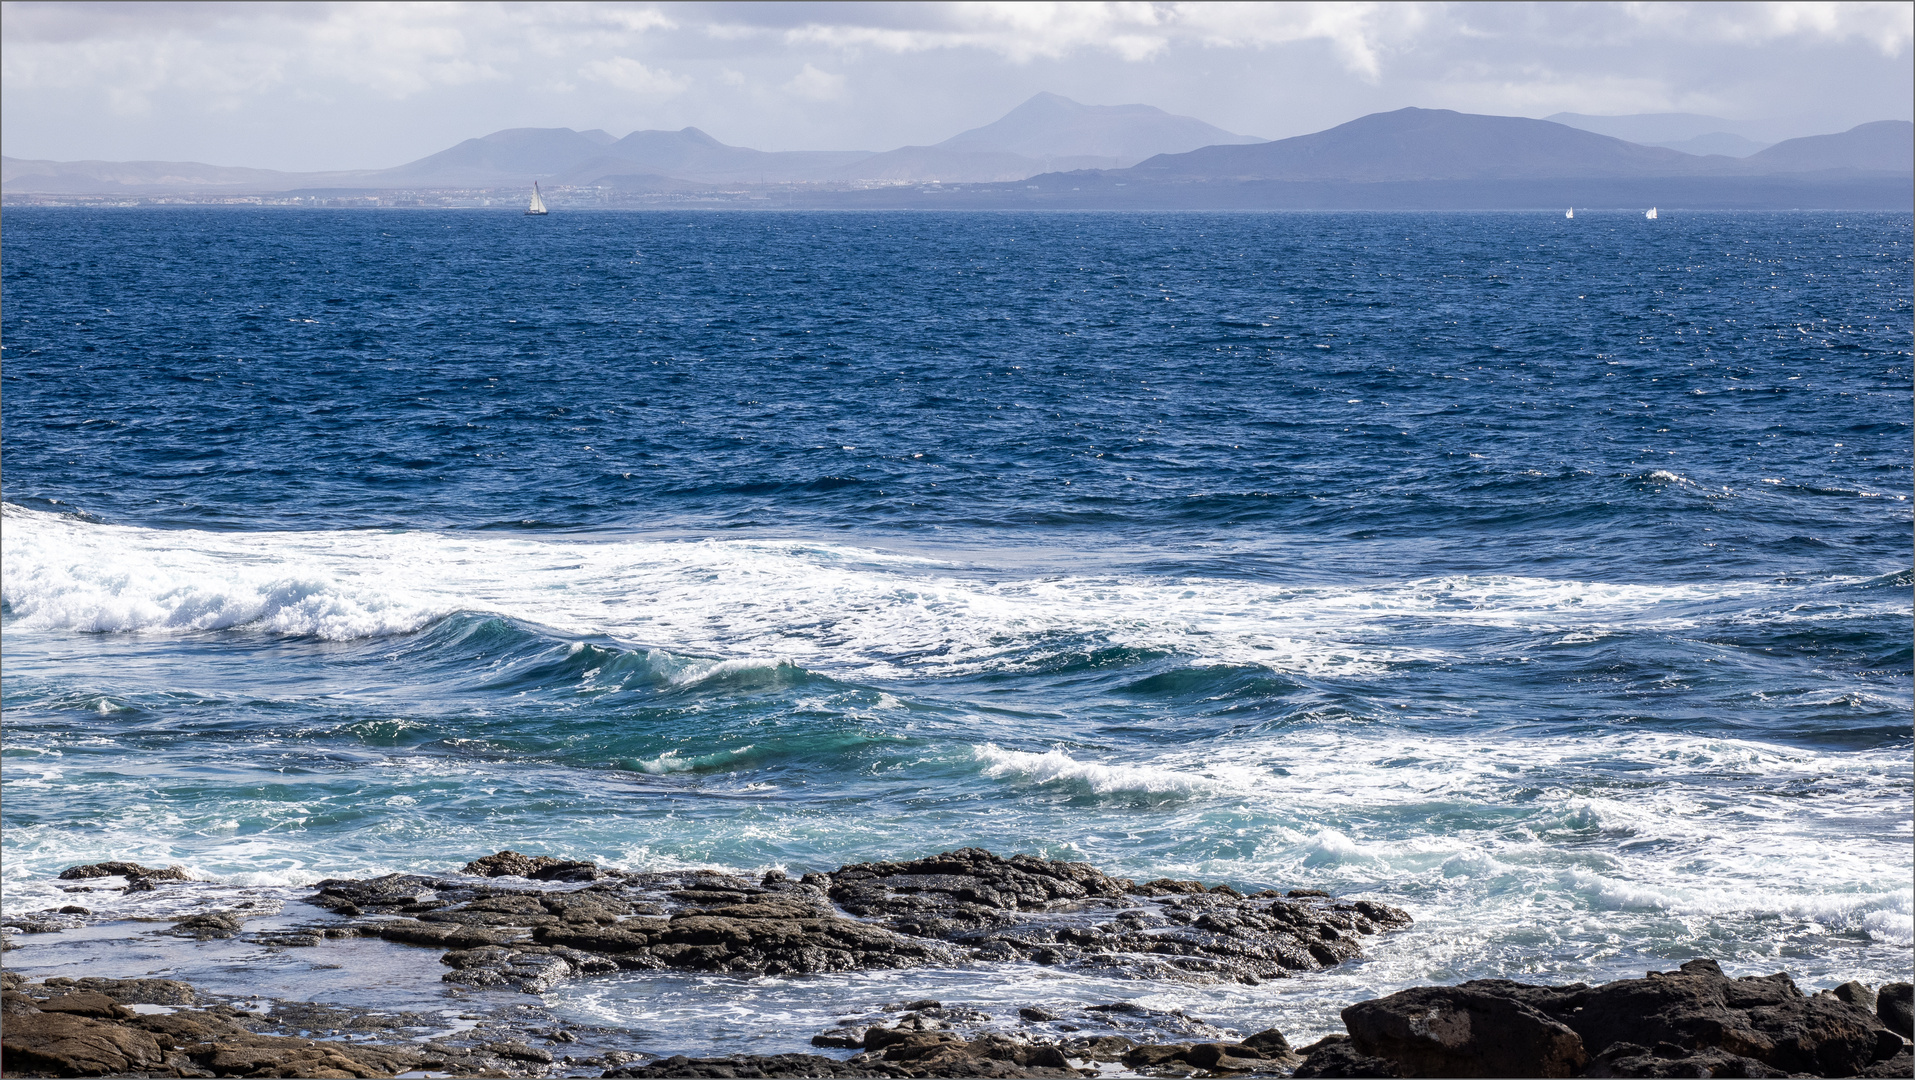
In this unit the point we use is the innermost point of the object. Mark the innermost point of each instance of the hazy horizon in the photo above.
(312, 87)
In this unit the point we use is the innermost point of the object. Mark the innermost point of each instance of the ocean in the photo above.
(1549, 579)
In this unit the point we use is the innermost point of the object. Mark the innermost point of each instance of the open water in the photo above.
(1549, 579)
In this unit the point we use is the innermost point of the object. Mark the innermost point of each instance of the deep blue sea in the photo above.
(1550, 579)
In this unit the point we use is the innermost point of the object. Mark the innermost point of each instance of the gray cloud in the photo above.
(310, 86)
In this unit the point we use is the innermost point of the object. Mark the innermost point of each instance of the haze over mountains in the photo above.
(1061, 146)
(1691, 133)
(1048, 133)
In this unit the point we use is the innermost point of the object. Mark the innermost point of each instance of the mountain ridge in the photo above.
(1406, 146)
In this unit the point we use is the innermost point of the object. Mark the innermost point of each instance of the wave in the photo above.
(1057, 767)
(772, 609)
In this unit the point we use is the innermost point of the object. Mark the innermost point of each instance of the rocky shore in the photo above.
(518, 922)
(968, 906)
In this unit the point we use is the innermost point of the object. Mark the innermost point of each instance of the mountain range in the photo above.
(1438, 144)
(1053, 146)
(1048, 133)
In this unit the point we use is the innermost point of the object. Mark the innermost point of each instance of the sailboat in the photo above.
(1570, 213)
(538, 204)
(1651, 215)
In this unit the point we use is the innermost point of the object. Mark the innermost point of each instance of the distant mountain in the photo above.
(25, 174)
(1045, 134)
(1421, 158)
(1049, 128)
(1430, 144)
(1885, 146)
(690, 154)
(515, 155)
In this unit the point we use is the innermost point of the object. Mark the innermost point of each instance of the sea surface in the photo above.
(1550, 579)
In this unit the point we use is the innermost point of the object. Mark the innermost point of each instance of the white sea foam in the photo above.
(1058, 767)
(758, 603)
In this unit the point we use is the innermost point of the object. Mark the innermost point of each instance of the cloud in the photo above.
(629, 75)
(1888, 27)
(226, 80)
(814, 85)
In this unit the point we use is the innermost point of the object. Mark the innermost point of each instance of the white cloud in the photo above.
(814, 85)
(1889, 27)
(233, 80)
(629, 75)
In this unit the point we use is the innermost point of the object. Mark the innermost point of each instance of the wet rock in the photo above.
(27, 924)
(1900, 1065)
(13, 1001)
(1857, 994)
(68, 1027)
(910, 1054)
(533, 969)
(1698, 1008)
(1336, 1056)
(208, 924)
(1271, 1044)
(1668, 1060)
(843, 1038)
(1463, 1031)
(535, 867)
(86, 1003)
(129, 991)
(445, 935)
(1143, 1057)
(64, 1044)
(519, 1051)
(1895, 1007)
(796, 1065)
(944, 909)
(1103, 1048)
(1667, 1024)
(127, 870)
(760, 935)
(1055, 912)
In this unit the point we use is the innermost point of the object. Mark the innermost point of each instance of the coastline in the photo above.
(510, 927)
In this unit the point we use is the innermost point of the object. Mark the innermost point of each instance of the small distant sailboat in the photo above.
(538, 204)
(1651, 215)
(1570, 213)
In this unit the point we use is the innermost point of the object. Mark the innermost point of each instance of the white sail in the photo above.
(1570, 213)
(538, 204)
(1651, 215)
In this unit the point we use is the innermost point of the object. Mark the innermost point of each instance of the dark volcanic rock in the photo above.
(63, 1044)
(1667, 1060)
(1336, 1056)
(1761, 1017)
(536, 867)
(904, 1053)
(1692, 1022)
(1053, 912)
(1462, 1031)
(1901, 1065)
(751, 1065)
(948, 908)
(124, 869)
(208, 924)
(69, 1027)
(88, 1032)
(1893, 1004)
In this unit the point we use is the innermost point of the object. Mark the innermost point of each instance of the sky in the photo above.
(370, 85)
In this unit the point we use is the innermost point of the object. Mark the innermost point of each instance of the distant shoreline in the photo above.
(1096, 191)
